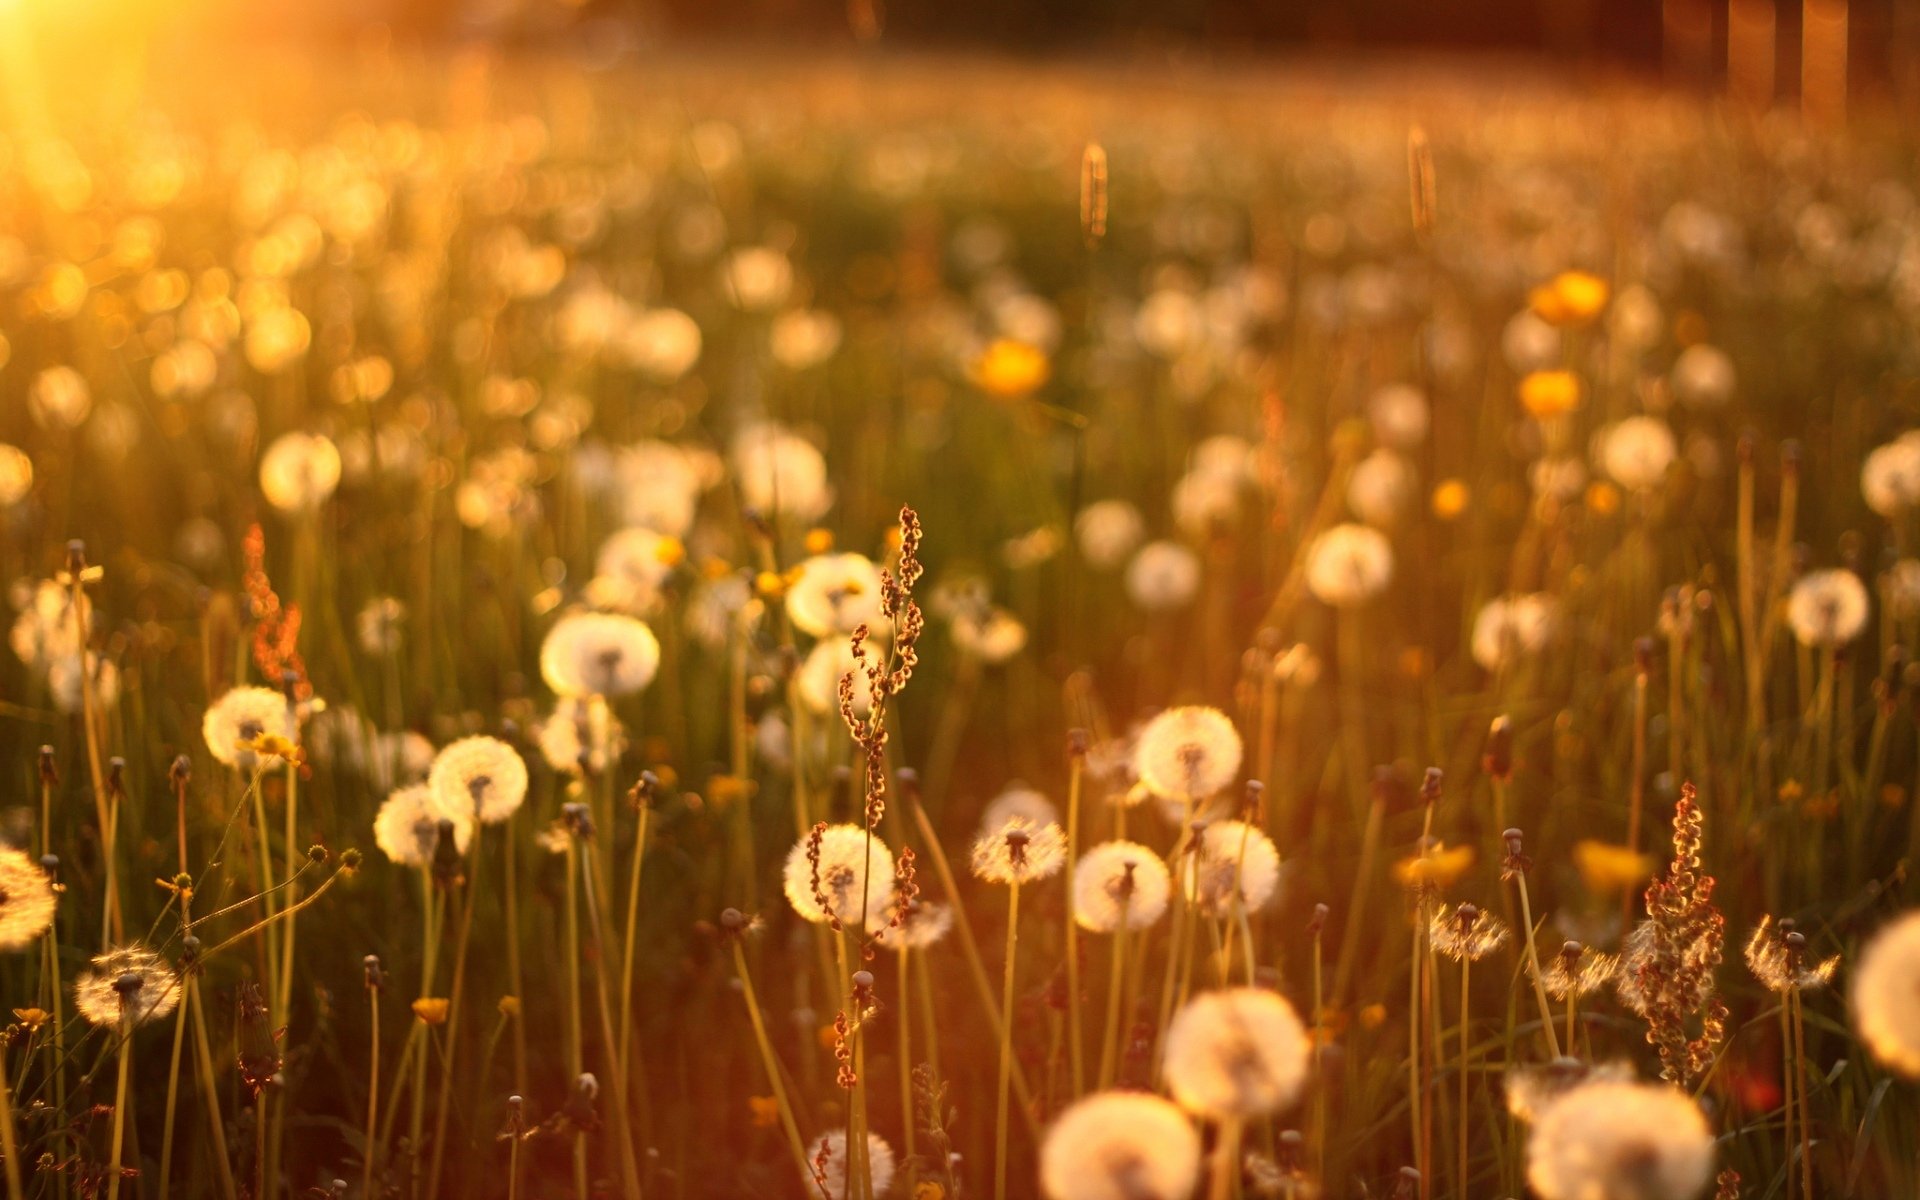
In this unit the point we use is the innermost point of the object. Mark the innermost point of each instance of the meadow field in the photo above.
(931, 628)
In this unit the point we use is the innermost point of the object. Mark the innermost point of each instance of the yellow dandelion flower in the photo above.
(1571, 298)
(1450, 499)
(764, 1110)
(1610, 870)
(1439, 868)
(1550, 393)
(432, 1009)
(1603, 499)
(1010, 369)
(819, 541)
(1373, 1016)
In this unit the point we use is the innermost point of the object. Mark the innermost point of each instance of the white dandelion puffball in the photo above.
(1827, 608)
(639, 559)
(657, 486)
(1634, 318)
(1381, 488)
(1620, 1141)
(1232, 864)
(780, 472)
(579, 736)
(661, 343)
(1018, 800)
(1188, 753)
(1512, 627)
(479, 778)
(299, 471)
(880, 1164)
(1119, 885)
(1349, 565)
(407, 827)
(803, 338)
(825, 881)
(993, 635)
(67, 684)
(16, 475)
(1107, 531)
(1163, 576)
(1530, 344)
(1120, 1146)
(757, 278)
(1890, 476)
(1636, 452)
(1020, 850)
(27, 899)
(1703, 377)
(1886, 995)
(1235, 1054)
(1399, 416)
(924, 924)
(126, 986)
(836, 594)
(599, 654)
(818, 680)
(1203, 501)
(242, 715)
(59, 398)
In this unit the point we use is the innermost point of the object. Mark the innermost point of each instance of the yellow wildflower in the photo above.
(1010, 369)
(1609, 869)
(1550, 393)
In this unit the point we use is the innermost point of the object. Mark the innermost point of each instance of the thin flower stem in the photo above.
(1006, 1044)
(623, 1136)
(1800, 1070)
(9, 1144)
(173, 1096)
(1461, 1183)
(1533, 969)
(903, 1022)
(203, 1061)
(633, 922)
(369, 1151)
(509, 852)
(454, 995)
(1116, 981)
(1226, 1163)
(1074, 1037)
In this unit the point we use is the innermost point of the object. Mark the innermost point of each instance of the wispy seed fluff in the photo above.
(599, 654)
(1620, 1141)
(827, 1155)
(1886, 995)
(1119, 884)
(1163, 576)
(780, 472)
(1231, 863)
(1188, 753)
(1235, 1054)
(240, 716)
(407, 827)
(26, 899)
(1019, 851)
(479, 778)
(1018, 800)
(1349, 565)
(1636, 452)
(924, 923)
(1120, 1146)
(1512, 627)
(835, 594)
(130, 980)
(1827, 608)
(838, 877)
(299, 471)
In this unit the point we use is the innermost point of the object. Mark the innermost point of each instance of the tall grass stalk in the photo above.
(1006, 1045)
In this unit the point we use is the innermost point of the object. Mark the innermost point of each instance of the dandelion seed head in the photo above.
(67, 686)
(1349, 565)
(1827, 608)
(1019, 850)
(242, 716)
(1890, 476)
(780, 472)
(662, 344)
(656, 485)
(1703, 376)
(818, 680)
(1885, 995)
(480, 778)
(1163, 576)
(1120, 1146)
(16, 475)
(1231, 864)
(1120, 885)
(635, 564)
(1382, 488)
(835, 594)
(1620, 1141)
(1399, 415)
(828, 1156)
(851, 863)
(1188, 753)
(1531, 1090)
(1636, 452)
(299, 472)
(1018, 800)
(924, 924)
(993, 636)
(803, 338)
(27, 899)
(599, 654)
(1511, 627)
(1466, 933)
(757, 278)
(1107, 531)
(1235, 1054)
(129, 980)
(407, 827)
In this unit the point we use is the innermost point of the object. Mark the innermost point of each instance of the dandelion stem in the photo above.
(173, 1096)
(1075, 772)
(370, 1149)
(1226, 1162)
(1461, 1182)
(633, 922)
(1533, 968)
(203, 1061)
(1110, 1040)
(1006, 1044)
